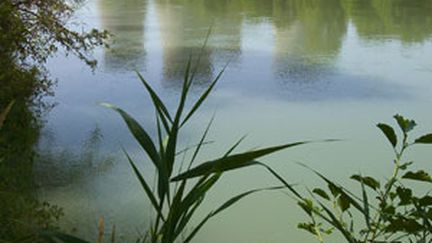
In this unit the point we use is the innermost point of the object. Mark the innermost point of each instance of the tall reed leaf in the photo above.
(139, 133)
(231, 162)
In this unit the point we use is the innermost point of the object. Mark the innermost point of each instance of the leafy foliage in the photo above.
(30, 33)
(390, 211)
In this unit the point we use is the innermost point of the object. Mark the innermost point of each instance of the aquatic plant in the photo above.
(390, 211)
(175, 205)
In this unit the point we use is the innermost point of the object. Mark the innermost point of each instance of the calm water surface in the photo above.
(299, 69)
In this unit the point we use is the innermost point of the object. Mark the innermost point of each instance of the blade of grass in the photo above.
(199, 102)
(225, 206)
(231, 162)
(145, 186)
(173, 133)
(234, 146)
(198, 191)
(160, 106)
(365, 205)
(284, 182)
(201, 53)
(201, 142)
(187, 216)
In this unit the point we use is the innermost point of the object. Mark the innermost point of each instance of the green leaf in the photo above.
(309, 227)
(405, 195)
(283, 181)
(418, 176)
(424, 139)
(145, 186)
(234, 146)
(405, 166)
(344, 202)
(237, 198)
(402, 224)
(307, 206)
(320, 192)
(405, 125)
(202, 98)
(139, 133)
(160, 106)
(198, 191)
(367, 180)
(337, 224)
(231, 162)
(335, 191)
(425, 201)
(365, 204)
(201, 142)
(389, 133)
(187, 216)
(225, 206)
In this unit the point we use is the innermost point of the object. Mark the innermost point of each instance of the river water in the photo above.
(298, 70)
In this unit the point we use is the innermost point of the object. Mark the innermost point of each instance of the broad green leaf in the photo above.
(344, 202)
(424, 139)
(231, 162)
(389, 133)
(402, 224)
(139, 133)
(367, 180)
(320, 192)
(418, 176)
(405, 125)
(405, 195)
(425, 201)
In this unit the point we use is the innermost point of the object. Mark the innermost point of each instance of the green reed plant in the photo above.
(177, 196)
(389, 211)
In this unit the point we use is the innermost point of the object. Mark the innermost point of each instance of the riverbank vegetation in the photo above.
(30, 33)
